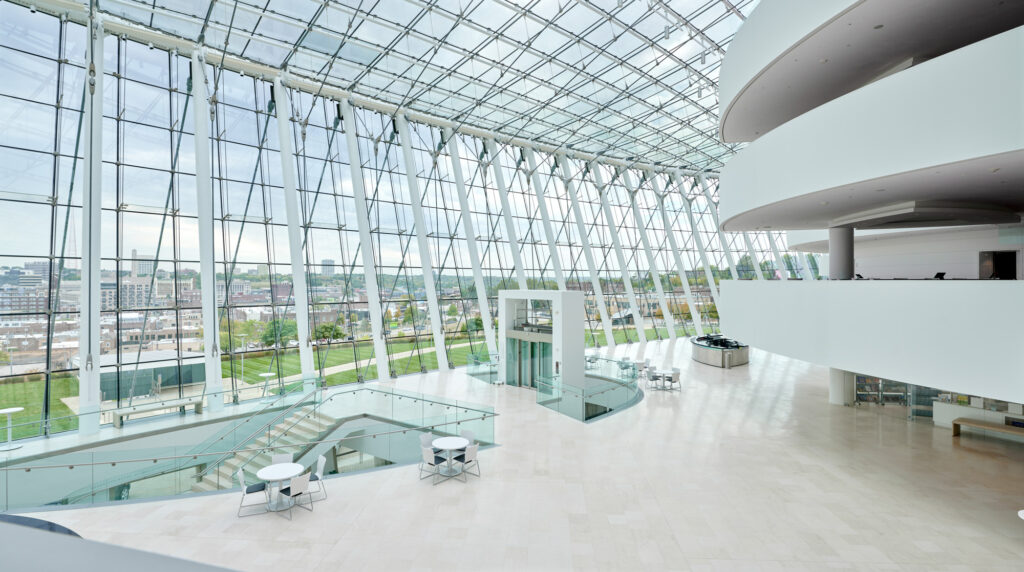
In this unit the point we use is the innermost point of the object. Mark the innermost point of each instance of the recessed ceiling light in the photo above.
(823, 60)
(824, 203)
(879, 26)
(996, 170)
(879, 190)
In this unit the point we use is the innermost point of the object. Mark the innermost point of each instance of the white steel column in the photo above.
(581, 228)
(542, 206)
(695, 232)
(416, 202)
(506, 212)
(300, 292)
(808, 258)
(652, 262)
(780, 262)
(627, 284)
(804, 268)
(680, 265)
(758, 273)
(204, 203)
(380, 346)
(713, 209)
(474, 254)
(89, 323)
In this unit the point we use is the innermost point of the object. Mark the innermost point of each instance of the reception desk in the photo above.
(719, 356)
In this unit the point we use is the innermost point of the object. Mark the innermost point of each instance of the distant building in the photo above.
(20, 299)
(327, 267)
(39, 267)
(141, 265)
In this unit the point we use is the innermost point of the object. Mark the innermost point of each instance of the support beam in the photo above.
(713, 209)
(840, 254)
(542, 206)
(506, 211)
(681, 266)
(416, 202)
(652, 262)
(92, 198)
(753, 257)
(474, 253)
(581, 228)
(380, 346)
(780, 262)
(627, 283)
(300, 290)
(698, 241)
(204, 203)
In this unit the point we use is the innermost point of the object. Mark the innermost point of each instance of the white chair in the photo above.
(427, 440)
(251, 490)
(674, 380)
(297, 490)
(468, 459)
(430, 464)
(277, 459)
(467, 435)
(317, 478)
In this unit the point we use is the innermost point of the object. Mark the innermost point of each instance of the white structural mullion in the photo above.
(89, 324)
(416, 202)
(758, 273)
(380, 346)
(713, 209)
(300, 292)
(581, 228)
(506, 212)
(627, 284)
(652, 262)
(779, 261)
(695, 232)
(804, 268)
(681, 267)
(808, 257)
(204, 204)
(474, 254)
(542, 206)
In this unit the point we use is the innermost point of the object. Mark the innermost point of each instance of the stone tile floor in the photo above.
(745, 469)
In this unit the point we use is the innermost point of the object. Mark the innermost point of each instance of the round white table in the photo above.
(278, 474)
(10, 411)
(449, 445)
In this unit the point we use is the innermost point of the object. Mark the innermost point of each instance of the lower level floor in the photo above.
(747, 468)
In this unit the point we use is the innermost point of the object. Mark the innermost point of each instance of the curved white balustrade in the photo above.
(914, 331)
(949, 129)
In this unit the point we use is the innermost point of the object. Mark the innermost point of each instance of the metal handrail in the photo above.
(483, 417)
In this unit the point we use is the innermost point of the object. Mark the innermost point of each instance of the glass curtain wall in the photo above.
(338, 308)
(254, 279)
(151, 321)
(41, 151)
(599, 232)
(453, 272)
(396, 252)
(624, 224)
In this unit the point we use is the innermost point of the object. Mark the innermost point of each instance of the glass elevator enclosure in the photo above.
(527, 362)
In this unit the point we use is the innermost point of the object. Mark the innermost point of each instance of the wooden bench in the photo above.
(122, 412)
(986, 425)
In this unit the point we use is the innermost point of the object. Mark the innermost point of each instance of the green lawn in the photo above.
(25, 392)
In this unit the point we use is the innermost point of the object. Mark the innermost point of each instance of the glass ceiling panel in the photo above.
(635, 77)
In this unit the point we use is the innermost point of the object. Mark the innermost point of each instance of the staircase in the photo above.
(304, 425)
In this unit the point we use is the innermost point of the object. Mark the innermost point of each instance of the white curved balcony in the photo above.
(791, 56)
(956, 335)
(950, 129)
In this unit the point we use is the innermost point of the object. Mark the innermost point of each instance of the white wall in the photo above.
(922, 255)
(961, 336)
